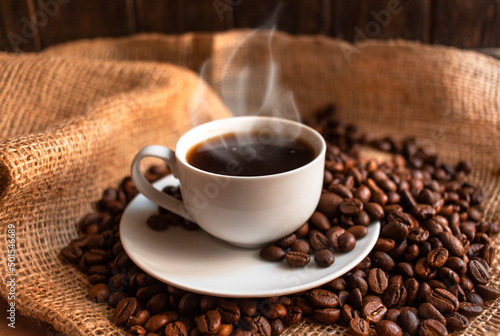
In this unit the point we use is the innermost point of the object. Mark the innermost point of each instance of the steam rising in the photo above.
(250, 83)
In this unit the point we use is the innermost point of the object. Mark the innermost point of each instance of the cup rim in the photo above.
(318, 156)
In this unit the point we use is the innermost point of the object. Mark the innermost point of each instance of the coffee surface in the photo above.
(251, 154)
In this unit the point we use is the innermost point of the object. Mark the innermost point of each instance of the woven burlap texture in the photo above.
(73, 116)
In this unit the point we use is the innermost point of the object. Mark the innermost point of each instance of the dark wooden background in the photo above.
(31, 25)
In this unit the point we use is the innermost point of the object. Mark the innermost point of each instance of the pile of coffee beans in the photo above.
(428, 273)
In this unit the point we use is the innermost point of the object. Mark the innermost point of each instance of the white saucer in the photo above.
(200, 263)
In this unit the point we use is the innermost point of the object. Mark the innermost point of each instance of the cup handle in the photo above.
(147, 189)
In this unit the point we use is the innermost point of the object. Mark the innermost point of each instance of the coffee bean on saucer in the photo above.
(301, 246)
(297, 259)
(324, 258)
(272, 253)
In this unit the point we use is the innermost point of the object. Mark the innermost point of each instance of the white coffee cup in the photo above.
(246, 211)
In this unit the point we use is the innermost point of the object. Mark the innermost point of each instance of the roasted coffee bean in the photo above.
(297, 259)
(293, 315)
(448, 275)
(487, 253)
(409, 321)
(324, 258)
(478, 271)
(364, 264)
(384, 244)
(124, 310)
(458, 292)
(72, 253)
(423, 211)
(229, 312)
(326, 315)
(136, 330)
(456, 321)
(388, 328)
(355, 281)
(318, 240)
(188, 304)
(379, 197)
(176, 328)
(378, 281)
(399, 250)
(418, 235)
(145, 293)
(157, 303)
(320, 221)
(431, 328)
(210, 322)
(359, 327)
(333, 237)
(393, 314)
(438, 284)
(394, 230)
(305, 306)
(466, 283)
(457, 264)
(359, 231)
(428, 311)
(277, 327)
(287, 241)
(452, 243)
(382, 260)
(95, 257)
(375, 210)
(273, 310)
(329, 203)
(237, 332)
(247, 307)
(394, 295)
(348, 313)
(115, 298)
(139, 318)
(412, 287)
(259, 326)
(405, 269)
(301, 246)
(363, 193)
(474, 298)
(272, 253)
(337, 284)
(158, 321)
(347, 242)
(363, 219)
(351, 206)
(443, 300)
(355, 298)
(374, 312)
(99, 292)
(487, 292)
(322, 298)
(469, 309)
(422, 269)
(158, 222)
(340, 190)
(370, 298)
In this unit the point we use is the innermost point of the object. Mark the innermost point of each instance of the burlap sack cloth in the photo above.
(73, 117)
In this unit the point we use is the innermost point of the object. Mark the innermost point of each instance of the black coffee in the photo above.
(253, 154)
